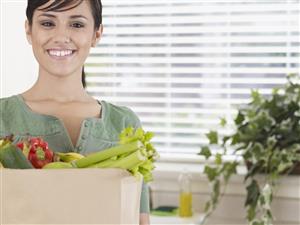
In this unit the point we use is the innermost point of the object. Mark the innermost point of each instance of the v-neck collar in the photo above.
(57, 120)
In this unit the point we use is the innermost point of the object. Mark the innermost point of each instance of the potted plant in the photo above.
(267, 140)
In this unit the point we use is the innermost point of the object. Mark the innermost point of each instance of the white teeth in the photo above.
(60, 53)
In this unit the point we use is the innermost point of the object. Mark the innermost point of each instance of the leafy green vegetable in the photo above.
(135, 153)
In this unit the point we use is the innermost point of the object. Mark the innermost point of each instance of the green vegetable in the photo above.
(134, 153)
(128, 162)
(13, 158)
(145, 167)
(58, 165)
(106, 154)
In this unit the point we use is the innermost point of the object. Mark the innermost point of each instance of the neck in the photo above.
(58, 88)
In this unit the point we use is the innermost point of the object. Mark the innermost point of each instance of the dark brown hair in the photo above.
(64, 5)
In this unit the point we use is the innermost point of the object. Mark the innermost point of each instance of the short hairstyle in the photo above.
(64, 5)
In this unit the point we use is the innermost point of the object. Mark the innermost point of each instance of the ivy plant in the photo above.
(266, 136)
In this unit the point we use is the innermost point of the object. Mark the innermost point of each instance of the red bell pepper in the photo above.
(37, 152)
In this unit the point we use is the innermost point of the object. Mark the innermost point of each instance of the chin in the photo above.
(61, 73)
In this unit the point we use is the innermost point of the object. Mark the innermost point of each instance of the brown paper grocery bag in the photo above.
(69, 196)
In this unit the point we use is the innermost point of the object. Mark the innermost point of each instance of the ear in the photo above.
(28, 32)
(98, 35)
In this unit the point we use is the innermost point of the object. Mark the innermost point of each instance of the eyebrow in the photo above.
(71, 17)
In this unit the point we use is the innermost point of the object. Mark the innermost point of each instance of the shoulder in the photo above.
(10, 114)
(8, 105)
(121, 114)
(6, 100)
(115, 119)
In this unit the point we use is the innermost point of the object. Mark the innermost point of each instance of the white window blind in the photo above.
(182, 65)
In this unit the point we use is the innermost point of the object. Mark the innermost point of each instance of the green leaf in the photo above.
(223, 122)
(263, 121)
(235, 139)
(257, 150)
(225, 139)
(210, 172)
(256, 97)
(283, 166)
(212, 137)
(269, 215)
(218, 159)
(207, 207)
(229, 169)
(247, 155)
(251, 213)
(258, 223)
(271, 141)
(205, 151)
(275, 90)
(127, 135)
(149, 136)
(291, 76)
(216, 192)
(239, 118)
(139, 133)
(255, 168)
(253, 194)
(128, 131)
(267, 196)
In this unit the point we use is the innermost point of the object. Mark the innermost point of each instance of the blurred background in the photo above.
(181, 66)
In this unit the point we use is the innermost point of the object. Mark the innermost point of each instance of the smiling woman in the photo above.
(78, 26)
(63, 6)
(57, 107)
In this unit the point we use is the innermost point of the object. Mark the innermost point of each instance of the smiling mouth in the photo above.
(60, 53)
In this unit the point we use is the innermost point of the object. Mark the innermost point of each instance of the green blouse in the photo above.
(95, 133)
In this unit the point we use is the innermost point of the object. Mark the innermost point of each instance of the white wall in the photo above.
(18, 65)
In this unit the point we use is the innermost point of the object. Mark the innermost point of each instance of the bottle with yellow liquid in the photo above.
(185, 194)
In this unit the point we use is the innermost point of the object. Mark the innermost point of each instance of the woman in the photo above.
(57, 107)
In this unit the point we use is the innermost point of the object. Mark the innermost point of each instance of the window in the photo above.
(182, 65)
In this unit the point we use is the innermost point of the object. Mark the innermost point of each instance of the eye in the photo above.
(47, 24)
(77, 25)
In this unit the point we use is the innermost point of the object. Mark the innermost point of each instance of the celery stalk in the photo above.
(123, 155)
(148, 165)
(103, 164)
(134, 159)
(148, 177)
(128, 162)
(135, 172)
(107, 153)
(147, 174)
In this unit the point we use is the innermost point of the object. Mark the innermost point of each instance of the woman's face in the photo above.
(61, 41)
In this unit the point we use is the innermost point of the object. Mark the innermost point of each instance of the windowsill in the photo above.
(165, 192)
(163, 220)
(167, 171)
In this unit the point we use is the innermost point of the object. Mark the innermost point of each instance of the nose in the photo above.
(62, 35)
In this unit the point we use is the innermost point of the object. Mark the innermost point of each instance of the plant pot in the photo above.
(296, 169)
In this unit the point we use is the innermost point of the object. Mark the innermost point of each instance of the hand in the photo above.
(144, 219)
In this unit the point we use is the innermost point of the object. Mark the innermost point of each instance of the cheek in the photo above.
(39, 40)
(84, 40)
